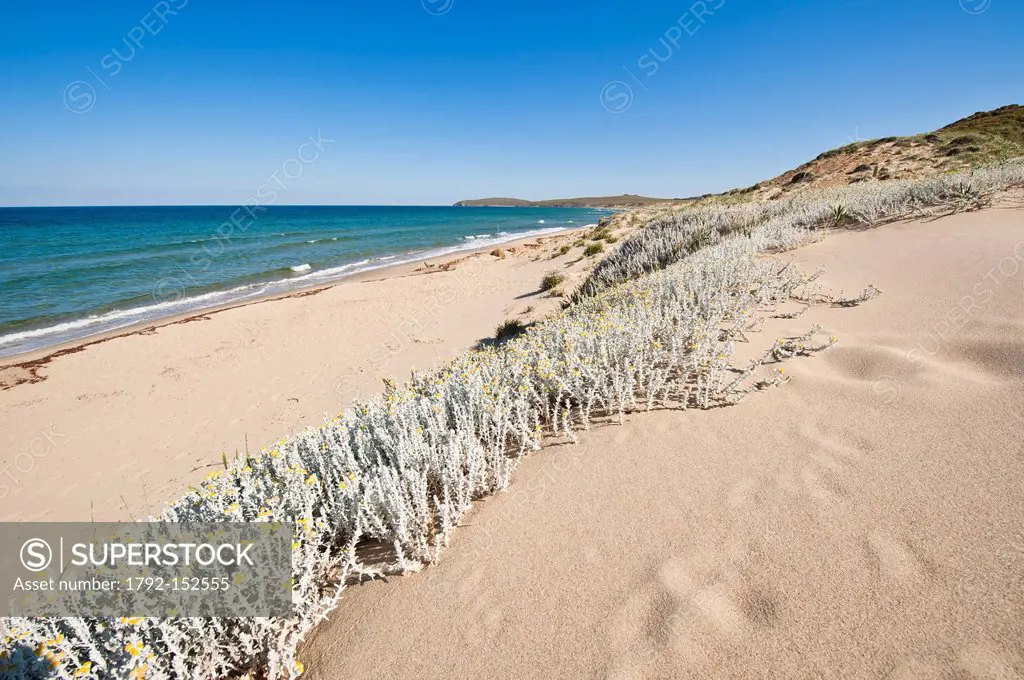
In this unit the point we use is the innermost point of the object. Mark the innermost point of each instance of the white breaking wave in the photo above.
(118, 318)
(332, 272)
(299, 268)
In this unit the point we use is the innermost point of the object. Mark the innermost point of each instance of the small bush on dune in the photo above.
(964, 140)
(593, 249)
(603, 233)
(551, 281)
(699, 239)
(839, 215)
(508, 329)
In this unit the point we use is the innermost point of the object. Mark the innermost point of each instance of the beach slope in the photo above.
(111, 429)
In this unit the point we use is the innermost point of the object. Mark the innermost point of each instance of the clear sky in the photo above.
(431, 101)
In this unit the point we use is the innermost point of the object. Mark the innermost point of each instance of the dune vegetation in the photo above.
(678, 232)
(654, 327)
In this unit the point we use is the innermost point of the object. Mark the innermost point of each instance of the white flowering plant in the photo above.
(667, 238)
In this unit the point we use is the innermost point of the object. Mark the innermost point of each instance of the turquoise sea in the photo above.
(67, 273)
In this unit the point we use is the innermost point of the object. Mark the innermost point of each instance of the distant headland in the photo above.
(623, 201)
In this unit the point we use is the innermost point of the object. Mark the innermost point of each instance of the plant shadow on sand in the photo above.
(33, 663)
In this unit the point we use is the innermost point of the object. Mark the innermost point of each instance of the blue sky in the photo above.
(431, 101)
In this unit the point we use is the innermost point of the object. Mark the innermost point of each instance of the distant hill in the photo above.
(623, 201)
(493, 203)
(979, 139)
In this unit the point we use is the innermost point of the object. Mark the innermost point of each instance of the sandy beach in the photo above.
(863, 520)
(114, 429)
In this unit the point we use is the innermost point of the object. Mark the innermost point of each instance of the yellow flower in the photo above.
(84, 669)
(299, 667)
(133, 648)
(140, 672)
(132, 621)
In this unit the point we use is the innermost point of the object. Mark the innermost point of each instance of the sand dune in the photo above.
(864, 520)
